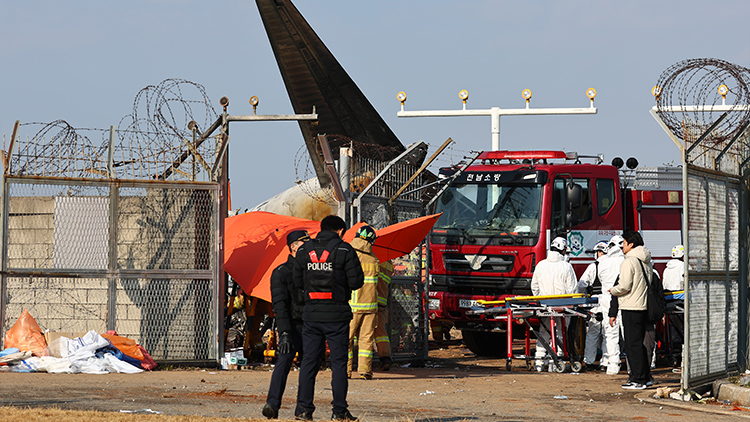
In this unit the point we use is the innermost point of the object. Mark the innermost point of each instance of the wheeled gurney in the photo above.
(554, 309)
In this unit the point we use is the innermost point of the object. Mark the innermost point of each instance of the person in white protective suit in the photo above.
(552, 276)
(674, 274)
(609, 271)
(591, 284)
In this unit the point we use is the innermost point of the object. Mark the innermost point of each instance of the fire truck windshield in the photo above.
(491, 209)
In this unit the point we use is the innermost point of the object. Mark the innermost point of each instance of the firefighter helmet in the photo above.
(617, 241)
(601, 246)
(559, 244)
(367, 233)
(678, 251)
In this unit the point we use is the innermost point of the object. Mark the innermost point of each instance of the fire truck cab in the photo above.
(500, 214)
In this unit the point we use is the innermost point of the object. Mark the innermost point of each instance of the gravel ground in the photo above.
(454, 385)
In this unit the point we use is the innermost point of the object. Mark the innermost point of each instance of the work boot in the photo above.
(307, 416)
(385, 363)
(269, 412)
(366, 376)
(343, 416)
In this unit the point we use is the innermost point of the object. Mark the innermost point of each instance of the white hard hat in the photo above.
(617, 241)
(678, 251)
(601, 246)
(559, 244)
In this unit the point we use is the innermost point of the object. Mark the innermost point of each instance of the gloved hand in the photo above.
(589, 290)
(285, 343)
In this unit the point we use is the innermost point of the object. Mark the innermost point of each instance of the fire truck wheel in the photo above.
(483, 343)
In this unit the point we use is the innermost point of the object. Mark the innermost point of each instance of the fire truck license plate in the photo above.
(467, 303)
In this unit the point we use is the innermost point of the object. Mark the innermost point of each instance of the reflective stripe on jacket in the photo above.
(365, 300)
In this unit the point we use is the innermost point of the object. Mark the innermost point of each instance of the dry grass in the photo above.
(14, 414)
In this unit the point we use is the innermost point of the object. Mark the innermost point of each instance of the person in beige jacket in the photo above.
(631, 293)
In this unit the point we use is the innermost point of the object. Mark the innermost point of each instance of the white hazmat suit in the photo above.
(674, 275)
(609, 270)
(552, 276)
(595, 325)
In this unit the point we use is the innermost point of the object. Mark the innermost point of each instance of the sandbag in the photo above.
(26, 335)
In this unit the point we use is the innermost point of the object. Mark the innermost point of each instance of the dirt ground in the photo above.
(454, 385)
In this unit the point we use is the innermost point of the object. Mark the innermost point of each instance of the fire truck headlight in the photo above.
(434, 304)
(631, 163)
(617, 162)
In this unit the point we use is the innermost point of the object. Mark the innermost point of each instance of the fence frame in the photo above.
(214, 273)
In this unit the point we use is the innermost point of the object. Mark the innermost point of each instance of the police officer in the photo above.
(287, 306)
(327, 270)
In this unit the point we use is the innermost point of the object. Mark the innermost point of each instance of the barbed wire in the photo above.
(148, 140)
(695, 82)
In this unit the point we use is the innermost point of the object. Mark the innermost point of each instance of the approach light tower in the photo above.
(496, 112)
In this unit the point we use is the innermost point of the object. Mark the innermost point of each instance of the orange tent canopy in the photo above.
(255, 244)
(398, 239)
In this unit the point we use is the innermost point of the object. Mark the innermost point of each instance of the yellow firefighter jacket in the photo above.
(365, 300)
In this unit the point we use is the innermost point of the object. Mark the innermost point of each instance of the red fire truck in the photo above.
(501, 212)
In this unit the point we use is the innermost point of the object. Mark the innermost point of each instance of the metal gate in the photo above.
(712, 274)
(136, 257)
(96, 238)
(139, 258)
(704, 107)
(406, 305)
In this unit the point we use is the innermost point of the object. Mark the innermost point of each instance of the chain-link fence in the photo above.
(137, 257)
(715, 322)
(712, 275)
(381, 181)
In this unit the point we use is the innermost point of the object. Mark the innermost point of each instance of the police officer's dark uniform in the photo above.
(327, 269)
(287, 303)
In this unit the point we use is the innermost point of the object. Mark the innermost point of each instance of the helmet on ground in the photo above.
(367, 233)
(617, 241)
(558, 244)
(601, 246)
(678, 251)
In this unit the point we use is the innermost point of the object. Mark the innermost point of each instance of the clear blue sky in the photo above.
(84, 62)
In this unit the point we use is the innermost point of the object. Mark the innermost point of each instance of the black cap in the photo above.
(295, 236)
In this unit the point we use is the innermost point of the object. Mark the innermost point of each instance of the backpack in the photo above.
(656, 303)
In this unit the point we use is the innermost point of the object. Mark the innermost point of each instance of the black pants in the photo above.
(281, 371)
(314, 337)
(634, 327)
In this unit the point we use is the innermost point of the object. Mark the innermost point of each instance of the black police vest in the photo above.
(321, 277)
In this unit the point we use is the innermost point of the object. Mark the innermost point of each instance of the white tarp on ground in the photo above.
(75, 356)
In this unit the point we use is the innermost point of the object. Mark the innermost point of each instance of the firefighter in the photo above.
(326, 269)
(287, 304)
(591, 284)
(552, 276)
(609, 271)
(364, 303)
(382, 340)
(674, 273)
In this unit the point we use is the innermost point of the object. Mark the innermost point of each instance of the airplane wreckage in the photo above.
(378, 179)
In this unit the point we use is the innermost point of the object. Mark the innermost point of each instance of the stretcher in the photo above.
(553, 309)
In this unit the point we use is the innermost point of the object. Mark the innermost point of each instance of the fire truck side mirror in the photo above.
(574, 193)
